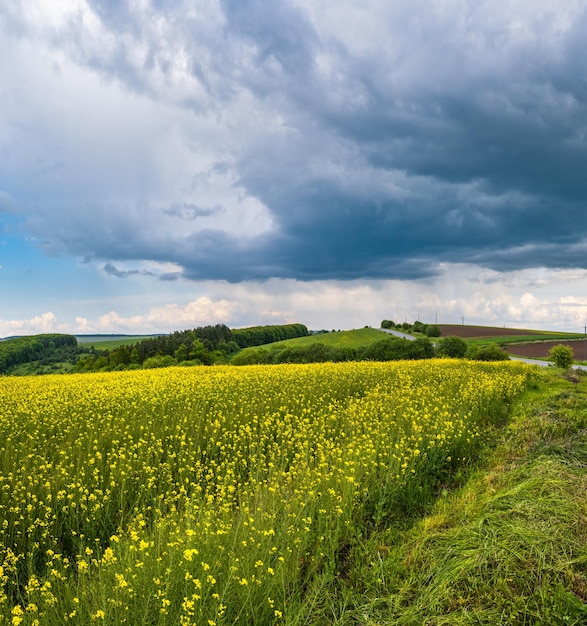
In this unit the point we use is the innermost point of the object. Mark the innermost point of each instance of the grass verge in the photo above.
(508, 547)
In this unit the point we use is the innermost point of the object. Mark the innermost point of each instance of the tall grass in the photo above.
(509, 548)
(215, 495)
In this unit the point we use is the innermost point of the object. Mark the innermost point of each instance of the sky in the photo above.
(167, 164)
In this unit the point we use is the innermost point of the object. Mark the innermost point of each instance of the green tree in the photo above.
(135, 357)
(453, 347)
(432, 330)
(181, 354)
(198, 351)
(419, 327)
(562, 356)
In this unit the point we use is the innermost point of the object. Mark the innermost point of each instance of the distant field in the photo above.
(540, 349)
(494, 332)
(534, 344)
(109, 342)
(337, 339)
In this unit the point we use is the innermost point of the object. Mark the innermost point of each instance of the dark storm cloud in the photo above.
(382, 139)
(502, 156)
(190, 211)
(112, 270)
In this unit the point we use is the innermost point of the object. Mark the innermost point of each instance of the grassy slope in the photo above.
(509, 547)
(339, 339)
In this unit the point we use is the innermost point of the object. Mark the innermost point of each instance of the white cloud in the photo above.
(200, 312)
(548, 304)
(44, 323)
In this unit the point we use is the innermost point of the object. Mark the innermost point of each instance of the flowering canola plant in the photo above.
(215, 495)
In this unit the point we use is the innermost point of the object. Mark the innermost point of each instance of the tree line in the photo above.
(205, 345)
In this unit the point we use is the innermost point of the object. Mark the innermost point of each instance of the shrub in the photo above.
(154, 362)
(491, 353)
(421, 348)
(562, 356)
(453, 347)
(419, 327)
(432, 330)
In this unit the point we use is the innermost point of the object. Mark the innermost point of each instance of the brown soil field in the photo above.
(541, 349)
(478, 332)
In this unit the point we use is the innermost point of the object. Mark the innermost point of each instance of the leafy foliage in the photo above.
(562, 356)
(491, 352)
(259, 335)
(389, 349)
(453, 347)
(205, 345)
(46, 349)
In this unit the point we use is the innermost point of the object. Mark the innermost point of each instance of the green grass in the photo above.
(339, 339)
(504, 340)
(509, 547)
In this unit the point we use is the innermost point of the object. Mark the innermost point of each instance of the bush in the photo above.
(421, 348)
(562, 356)
(432, 330)
(490, 353)
(251, 356)
(453, 347)
(154, 362)
(419, 327)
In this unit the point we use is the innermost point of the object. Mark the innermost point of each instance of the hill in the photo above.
(38, 353)
(338, 339)
(366, 344)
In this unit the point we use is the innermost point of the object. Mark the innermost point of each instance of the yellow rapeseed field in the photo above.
(215, 495)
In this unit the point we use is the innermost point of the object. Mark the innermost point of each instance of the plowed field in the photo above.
(538, 349)
(470, 332)
(541, 349)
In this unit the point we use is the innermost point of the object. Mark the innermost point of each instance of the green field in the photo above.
(338, 339)
(229, 495)
(535, 337)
